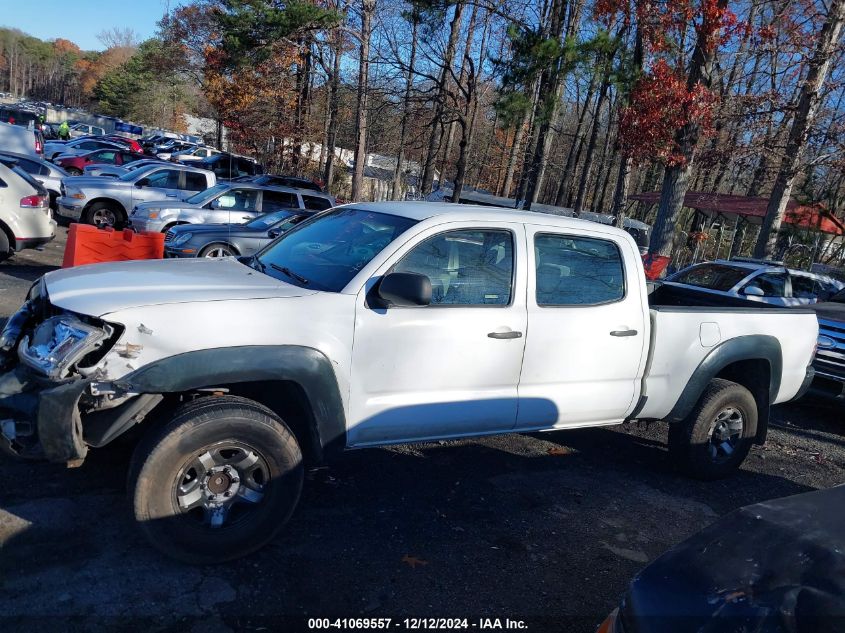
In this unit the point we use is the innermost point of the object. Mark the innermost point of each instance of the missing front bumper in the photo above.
(40, 418)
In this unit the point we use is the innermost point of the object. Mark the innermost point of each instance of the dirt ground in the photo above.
(546, 528)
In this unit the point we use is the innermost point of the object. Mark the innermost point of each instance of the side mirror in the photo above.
(274, 233)
(753, 291)
(404, 289)
(142, 183)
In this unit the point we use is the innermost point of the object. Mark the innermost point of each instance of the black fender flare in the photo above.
(306, 366)
(750, 347)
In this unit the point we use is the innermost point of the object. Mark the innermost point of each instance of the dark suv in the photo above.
(229, 166)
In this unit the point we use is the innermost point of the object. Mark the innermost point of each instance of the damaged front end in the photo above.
(48, 360)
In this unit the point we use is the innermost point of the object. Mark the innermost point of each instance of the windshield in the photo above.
(839, 297)
(711, 276)
(135, 173)
(269, 219)
(206, 194)
(325, 252)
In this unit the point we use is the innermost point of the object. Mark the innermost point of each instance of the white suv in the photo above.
(25, 217)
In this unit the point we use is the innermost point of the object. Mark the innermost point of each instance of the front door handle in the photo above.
(508, 334)
(623, 333)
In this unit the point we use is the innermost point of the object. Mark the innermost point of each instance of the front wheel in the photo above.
(714, 440)
(216, 483)
(105, 215)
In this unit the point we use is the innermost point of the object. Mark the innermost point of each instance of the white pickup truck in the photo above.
(366, 325)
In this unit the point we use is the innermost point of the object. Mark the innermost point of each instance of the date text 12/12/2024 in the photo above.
(415, 624)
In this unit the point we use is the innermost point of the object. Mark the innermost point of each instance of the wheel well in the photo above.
(227, 244)
(8, 232)
(167, 227)
(288, 400)
(754, 375)
(109, 201)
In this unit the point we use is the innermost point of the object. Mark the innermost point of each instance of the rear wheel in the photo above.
(216, 483)
(715, 438)
(73, 171)
(104, 215)
(218, 250)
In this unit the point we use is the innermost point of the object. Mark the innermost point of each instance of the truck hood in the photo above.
(81, 182)
(831, 310)
(98, 289)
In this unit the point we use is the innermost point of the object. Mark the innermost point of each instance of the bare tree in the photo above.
(368, 8)
(805, 113)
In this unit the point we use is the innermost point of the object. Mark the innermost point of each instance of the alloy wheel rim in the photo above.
(221, 485)
(103, 218)
(218, 251)
(725, 434)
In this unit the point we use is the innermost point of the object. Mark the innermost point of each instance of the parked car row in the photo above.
(25, 217)
(753, 284)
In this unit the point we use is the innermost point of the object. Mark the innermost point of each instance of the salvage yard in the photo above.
(548, 528)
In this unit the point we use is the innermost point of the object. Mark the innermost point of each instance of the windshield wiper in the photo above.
(289, 273)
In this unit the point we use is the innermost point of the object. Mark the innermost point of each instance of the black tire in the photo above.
(218, 247)
(73, 171)
(222, 425)
(695, 447)
(94, 215)
(5, 248)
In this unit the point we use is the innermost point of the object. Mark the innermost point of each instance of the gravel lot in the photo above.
(549, 528)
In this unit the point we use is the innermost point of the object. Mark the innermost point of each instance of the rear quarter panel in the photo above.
(681, 339)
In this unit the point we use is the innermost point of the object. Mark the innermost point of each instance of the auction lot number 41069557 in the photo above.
(414, 624)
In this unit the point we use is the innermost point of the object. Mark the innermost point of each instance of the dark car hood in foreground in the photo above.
(830, 310)
(773, 566)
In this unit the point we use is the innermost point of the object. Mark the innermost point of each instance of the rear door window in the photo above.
(195, 181)
(577, 271)
(804, 287)
(277, 200)
(315, 203)
(164, 179)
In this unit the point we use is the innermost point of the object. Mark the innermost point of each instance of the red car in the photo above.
(131, 143)
(74, 165)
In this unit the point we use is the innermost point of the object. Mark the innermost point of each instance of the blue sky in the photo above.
(81, 20)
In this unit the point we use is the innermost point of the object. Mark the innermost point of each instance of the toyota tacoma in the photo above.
(367, 325)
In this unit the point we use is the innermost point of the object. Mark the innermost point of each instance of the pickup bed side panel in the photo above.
(682, 338)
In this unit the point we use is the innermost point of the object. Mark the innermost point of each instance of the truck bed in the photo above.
(684, 333)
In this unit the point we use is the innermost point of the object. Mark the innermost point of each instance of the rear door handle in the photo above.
(623, 333)
(501, 335)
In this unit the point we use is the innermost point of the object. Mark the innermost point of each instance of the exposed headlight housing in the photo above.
(59, 342)
(182, 238)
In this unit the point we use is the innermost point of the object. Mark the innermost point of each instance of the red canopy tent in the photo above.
(753, 210)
